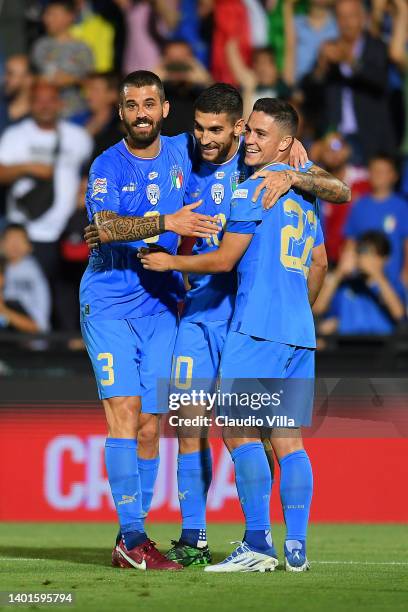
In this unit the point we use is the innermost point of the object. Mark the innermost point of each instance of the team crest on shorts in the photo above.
(100, 185)
(177, 177)
(217, 193)
(153, 193)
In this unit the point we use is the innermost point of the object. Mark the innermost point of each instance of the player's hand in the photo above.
(298, 155)
(156, 261)
(91, 236)
(185, 222)
(275, 185)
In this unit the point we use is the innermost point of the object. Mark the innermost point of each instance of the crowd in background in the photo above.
(343, 64)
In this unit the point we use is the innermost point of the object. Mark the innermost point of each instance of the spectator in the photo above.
(399, 56)
(184, 78)
(32, 152)
(310, 32)
(74, 259)
(333, 154)
(61, 59)
(384, 211)
(148, 24)
(26, 295)
(262, 79)
(97, 33)
(17, 87)
(230, 22)
(103, 123)
(357, 297)
(189, 28)
(352, 73)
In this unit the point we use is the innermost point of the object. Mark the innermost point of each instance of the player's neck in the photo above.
(279, 159)
(148, 152)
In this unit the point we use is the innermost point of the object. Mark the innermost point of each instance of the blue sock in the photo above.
(148, 469)
(253, 480)
(124, 480)
(194, 475)
(296, 489)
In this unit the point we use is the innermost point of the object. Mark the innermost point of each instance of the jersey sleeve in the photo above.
(241, 227)
(103, 186)
(242, 207)
(319, 235)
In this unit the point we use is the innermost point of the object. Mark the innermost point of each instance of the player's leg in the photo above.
(113, 348)
(296, 477)
(195, 366)
(252, 471)
(148, 456)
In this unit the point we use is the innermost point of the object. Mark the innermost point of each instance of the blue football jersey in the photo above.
(212, 296)
(115, 285)
(272, 301)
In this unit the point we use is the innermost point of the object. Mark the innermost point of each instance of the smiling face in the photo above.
(142, 112)
(265, 140)
(216, 135)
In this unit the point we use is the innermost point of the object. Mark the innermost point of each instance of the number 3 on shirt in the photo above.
(108, 368)
(295, 233)
(214, 240)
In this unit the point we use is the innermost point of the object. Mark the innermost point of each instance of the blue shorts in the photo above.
(248, 357)
(132, 357)
(285, 373)
(197, 354)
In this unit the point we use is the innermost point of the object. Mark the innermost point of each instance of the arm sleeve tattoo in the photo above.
(322, 184)
(113, 228)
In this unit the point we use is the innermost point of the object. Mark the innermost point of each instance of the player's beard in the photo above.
(142, 141)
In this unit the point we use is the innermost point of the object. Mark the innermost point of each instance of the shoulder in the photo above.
(72, 130)
(183, 142)
(108, 160)
(13, 131)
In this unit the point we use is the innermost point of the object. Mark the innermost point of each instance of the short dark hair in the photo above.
(111, 78)
(15, 227)
(376, 239)
(68, 5)
(384, 157)
(283, 113)
(142, 78)
(264, 51)
(220, 98)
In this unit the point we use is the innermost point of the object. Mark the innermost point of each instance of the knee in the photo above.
(148, 437)
(122, 416)
(285, 446)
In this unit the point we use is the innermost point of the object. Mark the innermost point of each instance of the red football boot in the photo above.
(143, 557)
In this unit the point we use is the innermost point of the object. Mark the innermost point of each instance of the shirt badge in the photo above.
(153, 193)
(177, 178)
(152, 175)
(219, 175)
(217, 193)
(100, 185)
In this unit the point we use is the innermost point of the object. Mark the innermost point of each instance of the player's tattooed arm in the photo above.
(316, 182)
(110, 227)
(321, 184)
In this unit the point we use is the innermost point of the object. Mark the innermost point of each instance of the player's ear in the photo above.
(166, 108)
(239, 127)
(286, 143)
(120, 112)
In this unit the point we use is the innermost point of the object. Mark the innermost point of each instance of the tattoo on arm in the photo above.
(113, 228)
(322, 184)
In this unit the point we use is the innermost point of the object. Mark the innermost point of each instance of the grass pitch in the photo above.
(354, 567)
